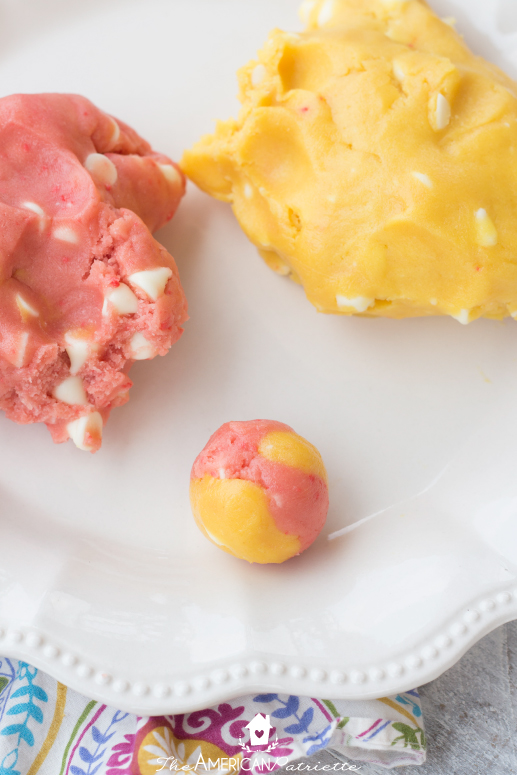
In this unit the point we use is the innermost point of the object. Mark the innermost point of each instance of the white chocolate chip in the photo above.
(79, 430)
(462, 317)
(78, 351)
(486, 233)
(248, 191)
(423, 178)
(123, 300)
(152, 281)
(101, 169)
(115, 135)
(306, 10)
(170, 173)
(26, 310)
(141, 348)
(442, 113)
(19, 361)
(434, 302)
(43, 217)
(222, 473)
(398, 71)
(326, 12)
(35, 209)
(258, 75)
(359, 303)
(65, 234)
(71, 392)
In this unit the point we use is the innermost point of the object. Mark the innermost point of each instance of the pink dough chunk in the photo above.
(85, 290)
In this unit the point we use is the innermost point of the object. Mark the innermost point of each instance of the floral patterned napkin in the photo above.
(49, 729)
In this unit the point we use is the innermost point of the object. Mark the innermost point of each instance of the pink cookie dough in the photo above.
(85, 290)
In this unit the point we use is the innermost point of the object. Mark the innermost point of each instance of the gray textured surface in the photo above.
(470, 713)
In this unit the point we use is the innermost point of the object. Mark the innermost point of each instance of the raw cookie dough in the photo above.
(375, 162)
(85, 290)
(259, 491)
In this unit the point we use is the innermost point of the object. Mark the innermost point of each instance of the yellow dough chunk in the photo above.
(375, 162)
(235, 515)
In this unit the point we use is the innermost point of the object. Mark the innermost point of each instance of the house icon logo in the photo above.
(260, 729)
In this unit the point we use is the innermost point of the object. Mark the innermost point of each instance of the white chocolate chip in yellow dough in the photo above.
(326, 12)
(423, 178)
(440, 112)
(486, 233)
(306, 9)
(462, 317)
(258, 75)
(382, 162)
(358, 303)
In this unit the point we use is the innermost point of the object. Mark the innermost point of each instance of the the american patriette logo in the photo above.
(260, 729)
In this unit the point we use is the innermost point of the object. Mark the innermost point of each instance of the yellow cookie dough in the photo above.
(374, 161)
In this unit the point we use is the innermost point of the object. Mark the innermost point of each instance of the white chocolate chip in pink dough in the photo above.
(123, 300)
(71, 391)
(78, 430)
(152, 281)
(65, 234)
(43, 217)
(170, 172)
(115, 134)
(19, 361)
(78, 351)
(101, 169)
(141, 348)
(25, 308)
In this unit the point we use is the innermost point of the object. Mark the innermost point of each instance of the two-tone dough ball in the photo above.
(259, 491)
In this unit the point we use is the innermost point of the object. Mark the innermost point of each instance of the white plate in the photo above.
(105, 581)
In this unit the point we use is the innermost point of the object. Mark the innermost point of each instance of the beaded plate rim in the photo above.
(232, 678)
